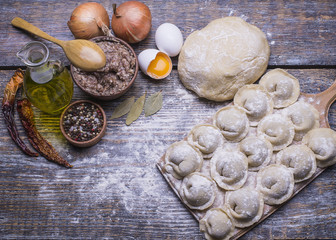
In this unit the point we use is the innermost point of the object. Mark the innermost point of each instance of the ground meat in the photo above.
(117, 73)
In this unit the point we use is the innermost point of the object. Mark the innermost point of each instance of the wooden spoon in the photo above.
(83, 54)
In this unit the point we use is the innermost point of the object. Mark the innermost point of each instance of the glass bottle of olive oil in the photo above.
(47, 84)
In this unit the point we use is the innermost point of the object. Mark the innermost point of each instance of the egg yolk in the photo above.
(160, 67)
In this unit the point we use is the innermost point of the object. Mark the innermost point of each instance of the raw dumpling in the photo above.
(245, 206)
(207, 138)
(304, 118)
(256, 102)
(198, 191)
(229, 169)
(323, 143)
(300, 159)
(276, 183)
(277, 129)
(233, 123)
(217, 225)
(283, 87)
(258, 152)
(182, 159)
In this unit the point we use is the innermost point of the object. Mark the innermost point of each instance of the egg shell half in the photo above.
(149, 55)
(145, 58)
(169, 39)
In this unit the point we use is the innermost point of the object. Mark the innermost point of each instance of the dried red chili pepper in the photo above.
(36, 139)
(12, 86)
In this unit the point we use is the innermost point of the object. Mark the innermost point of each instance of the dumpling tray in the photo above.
(222, 196)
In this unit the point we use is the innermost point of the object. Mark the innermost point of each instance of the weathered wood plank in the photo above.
(299, 32)
(115, 191)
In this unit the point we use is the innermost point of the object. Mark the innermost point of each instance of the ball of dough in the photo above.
(222, 57)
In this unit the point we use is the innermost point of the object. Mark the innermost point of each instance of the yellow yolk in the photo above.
(160, 67)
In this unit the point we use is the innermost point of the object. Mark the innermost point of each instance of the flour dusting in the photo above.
(126, 178)
(232, 12)
(182, 93)
(135, 186)
(131, 181)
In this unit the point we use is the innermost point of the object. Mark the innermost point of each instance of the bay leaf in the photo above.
(123, 108)
(136, 110)
(153, 103)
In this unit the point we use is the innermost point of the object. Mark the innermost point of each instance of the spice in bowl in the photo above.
(116, 77)
(83, 123)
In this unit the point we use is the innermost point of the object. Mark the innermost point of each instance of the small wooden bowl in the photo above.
(92, 141)
(116, 94)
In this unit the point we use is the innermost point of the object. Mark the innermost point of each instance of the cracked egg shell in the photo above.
(155, 63)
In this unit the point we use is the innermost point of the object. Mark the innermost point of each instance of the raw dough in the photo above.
(256, 102)
(277, 129)
(258, 152)
(245, 206)
(229, 169)
(304, 118)
(323, 143)
(222, 57)
(198, 191)
(217, 225)
(207, 138)
(232, 122)
(276, 183)
(300, 159)
(182, 159)
(283, 87)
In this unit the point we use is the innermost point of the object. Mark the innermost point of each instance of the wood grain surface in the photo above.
(114, 190)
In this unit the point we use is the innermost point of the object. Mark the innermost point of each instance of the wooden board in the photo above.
(114, 190)
(320, 101)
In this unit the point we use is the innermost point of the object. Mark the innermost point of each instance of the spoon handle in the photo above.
(20, 23)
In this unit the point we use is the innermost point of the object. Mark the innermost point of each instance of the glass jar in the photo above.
(47, 84)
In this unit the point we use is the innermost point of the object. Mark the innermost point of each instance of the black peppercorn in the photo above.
(83, 122)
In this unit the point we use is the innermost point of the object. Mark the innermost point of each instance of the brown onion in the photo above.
(131, 21)
(89, 20)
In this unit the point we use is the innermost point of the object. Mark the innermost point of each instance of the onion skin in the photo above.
(131, 21)
(89, 20)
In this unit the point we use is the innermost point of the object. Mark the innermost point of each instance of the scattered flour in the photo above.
(232, 12)
(132, 185)
(244, 17)
(184, 94)
(3, 219)
(204, 4)
(135, 186)
(129, 182)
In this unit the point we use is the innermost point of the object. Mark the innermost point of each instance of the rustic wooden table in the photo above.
(114, 189)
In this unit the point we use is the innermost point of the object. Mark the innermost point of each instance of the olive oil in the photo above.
(51, 96)
(47, 84)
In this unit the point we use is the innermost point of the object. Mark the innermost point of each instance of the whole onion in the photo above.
(131, 21)
(89, 20)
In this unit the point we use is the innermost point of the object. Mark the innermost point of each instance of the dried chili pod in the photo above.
(36, 139)
(12, 86)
